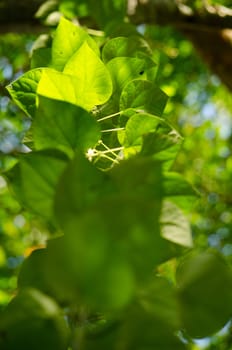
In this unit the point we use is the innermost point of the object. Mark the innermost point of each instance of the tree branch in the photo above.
(174, 12)
(19, 16)
(208, 28)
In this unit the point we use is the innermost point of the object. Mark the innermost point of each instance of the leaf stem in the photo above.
(109, 130)
(109, 116)
(112, 150)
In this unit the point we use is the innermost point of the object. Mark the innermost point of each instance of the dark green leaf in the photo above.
(35, 178)
(33, 272)
(64, 126)
(143, 95)
(80, 186)
(179, 190)
(162, 144)
(32, 320)
(149, 135)
(125, 69)
(205, 294)
(144, 330)
(133, 46)
(67, 40)
(23, 91)
(41, 58)
(159, 298)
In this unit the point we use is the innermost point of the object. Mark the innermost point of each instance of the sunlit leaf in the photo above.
(67, 40)
(94, 82)
(85, 81)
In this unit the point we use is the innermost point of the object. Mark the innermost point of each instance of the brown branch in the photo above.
(209, 29)
(174, 12)
(28, 27)
(19, 16)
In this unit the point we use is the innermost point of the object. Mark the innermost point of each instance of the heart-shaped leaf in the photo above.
(85, 81)
(64, 126)
(67, 40)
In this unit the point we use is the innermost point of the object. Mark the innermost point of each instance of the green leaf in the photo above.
(94, 81)
(144, 330)
(138, 125)
(146, 175)
(41, 57)
(32, 272)
(80, 186)
(23, 91)
(159, 298)
(85, 81)
(162, 144)
(35, 178)
(149, 135)
(175, 227)
(143, 95)
(101, 335)
(125, 69)
(32, 320)
(135, 213)
(39, 271)
(205, 294)
(67, 40)
(127, 209)
(64, 126)
(179, 190)
(133, 46)
(92, 267)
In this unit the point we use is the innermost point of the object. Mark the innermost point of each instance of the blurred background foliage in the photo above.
(18, 232)
(199, 106)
